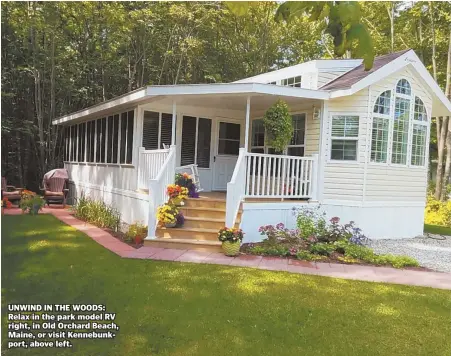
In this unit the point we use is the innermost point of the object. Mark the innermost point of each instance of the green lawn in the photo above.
(435, 229)
(168, 308)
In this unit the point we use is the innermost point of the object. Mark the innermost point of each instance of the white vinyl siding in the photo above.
(393, 182)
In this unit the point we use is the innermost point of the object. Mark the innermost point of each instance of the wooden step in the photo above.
(205, 203)
(200, 212)
(184, 244)
(188, 233)
(203, 223)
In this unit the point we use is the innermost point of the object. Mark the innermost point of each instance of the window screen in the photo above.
(188, 140)
(203, 143)
(150, 130)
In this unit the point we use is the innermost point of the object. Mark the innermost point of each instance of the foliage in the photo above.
(167, 214)
(322, 248)
(180, 219)
(96, 212)
(186, 181)
(30, 202)
(367, 255)
(311, 222)
(308, 256)
(230, 234)
(278, 126)
(176, 191)
(6, 203)
(278, 233)
(437, 212)
(136, 229)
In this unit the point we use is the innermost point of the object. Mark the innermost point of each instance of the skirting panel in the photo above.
(377, 222)
(132, 206)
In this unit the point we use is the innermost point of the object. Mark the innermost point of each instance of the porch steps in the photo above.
(184, 244)
(204, 216)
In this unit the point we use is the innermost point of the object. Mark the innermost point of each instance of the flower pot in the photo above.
(138, 239)
(35, 209)
(177, 202)
(231, 248)
(170, 224)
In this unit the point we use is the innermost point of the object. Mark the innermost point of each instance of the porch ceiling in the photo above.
(237, 102)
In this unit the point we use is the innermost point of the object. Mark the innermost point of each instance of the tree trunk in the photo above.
(391, 15)
(441, 152)
(434, 61)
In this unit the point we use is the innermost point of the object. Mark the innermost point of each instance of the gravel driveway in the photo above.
(429, 252)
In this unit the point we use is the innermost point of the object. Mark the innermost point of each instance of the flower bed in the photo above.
(318, 239)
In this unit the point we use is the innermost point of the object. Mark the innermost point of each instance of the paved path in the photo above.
(363, 273)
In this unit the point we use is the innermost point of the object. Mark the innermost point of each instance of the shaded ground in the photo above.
(169, 308)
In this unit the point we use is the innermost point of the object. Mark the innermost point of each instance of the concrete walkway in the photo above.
(356, 272)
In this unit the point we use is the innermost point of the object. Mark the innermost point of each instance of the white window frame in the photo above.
(411, 121)
(285, 152)
(85, 161)
(331, 138)
(284, 81)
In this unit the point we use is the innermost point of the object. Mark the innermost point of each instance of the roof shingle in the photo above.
(358, 73)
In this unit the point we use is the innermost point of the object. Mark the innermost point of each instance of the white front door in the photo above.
(226, 153)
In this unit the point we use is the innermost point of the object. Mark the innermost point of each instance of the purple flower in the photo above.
(335, 220)
(280, 226)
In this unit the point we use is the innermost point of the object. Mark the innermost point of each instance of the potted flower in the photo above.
(6, 204)
(231, 240)
(185, 180)
(176, 194)
(31, 203)
(167, 215)
(180, 220)
(137, 232)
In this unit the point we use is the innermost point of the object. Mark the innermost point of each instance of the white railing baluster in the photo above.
(279, 176)
(150, 163)
(157, 189)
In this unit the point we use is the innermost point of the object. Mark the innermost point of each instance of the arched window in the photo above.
(406, 121)
(403, 87)
(419, 133)
(381, 123)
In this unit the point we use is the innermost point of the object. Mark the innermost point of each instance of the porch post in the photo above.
(246, 134)
(174, 117)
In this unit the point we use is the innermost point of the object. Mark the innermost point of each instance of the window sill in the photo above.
(336, 161)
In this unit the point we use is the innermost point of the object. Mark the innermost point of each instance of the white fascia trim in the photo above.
(236, 88)
(124, 99)
(196, 89)
(392, 67)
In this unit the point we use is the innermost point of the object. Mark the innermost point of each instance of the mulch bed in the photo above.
(333, 258)
(121, 237)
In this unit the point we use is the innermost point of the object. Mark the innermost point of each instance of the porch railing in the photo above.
(270, 176)
(150, 162)
(236, 189)
(157, 189)
(277, 176)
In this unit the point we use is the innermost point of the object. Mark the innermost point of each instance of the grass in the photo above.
(168, 308)
(436, 229)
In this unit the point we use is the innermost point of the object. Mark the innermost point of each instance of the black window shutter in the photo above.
(103, 140)
(115, 137)
(123, 137)
(150, 130)
(82, 142)
(109, 151)
(92, 141)
(166, 129)
(188, 140)
(98, 139)
(130, 136)
(203, 143)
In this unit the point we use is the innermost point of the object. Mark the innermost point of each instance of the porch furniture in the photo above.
(10, 191)
(55, 186)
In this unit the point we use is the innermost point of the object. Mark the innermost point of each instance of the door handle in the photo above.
(214, 158)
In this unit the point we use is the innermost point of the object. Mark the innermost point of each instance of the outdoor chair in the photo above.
(55, 191)
(10, 191)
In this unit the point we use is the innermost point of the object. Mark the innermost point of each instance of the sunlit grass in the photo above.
(168, 308)
(436, 229)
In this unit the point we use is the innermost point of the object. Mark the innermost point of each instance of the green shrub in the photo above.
(96, 212)
(278, 126)
(360, 252)
(311, 223)
(134, 230)
(437, 212)
(322, 248)
(305, 255)
(367, 255)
